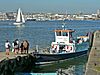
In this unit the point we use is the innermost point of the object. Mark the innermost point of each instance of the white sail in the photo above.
(23, 20)
(20, 18)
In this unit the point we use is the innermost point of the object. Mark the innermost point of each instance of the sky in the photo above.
(50, 6)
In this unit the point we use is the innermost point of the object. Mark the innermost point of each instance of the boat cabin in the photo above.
(64, 36)
(63, 41)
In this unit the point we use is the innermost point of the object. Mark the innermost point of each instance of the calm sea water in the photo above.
(41, 33)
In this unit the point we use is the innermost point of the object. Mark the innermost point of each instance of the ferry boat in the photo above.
(64, 47)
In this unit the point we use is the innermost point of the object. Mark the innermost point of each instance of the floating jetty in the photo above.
(11, 64)
(93, 64)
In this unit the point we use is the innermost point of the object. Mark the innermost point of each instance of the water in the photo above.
(75, 66)
(41, 33)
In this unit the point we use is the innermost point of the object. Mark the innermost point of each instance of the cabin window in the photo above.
(58, 33)
(65, 34)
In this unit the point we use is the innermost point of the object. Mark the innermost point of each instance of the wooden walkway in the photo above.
(93, 65)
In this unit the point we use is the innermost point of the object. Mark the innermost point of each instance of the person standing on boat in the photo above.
(7, 46)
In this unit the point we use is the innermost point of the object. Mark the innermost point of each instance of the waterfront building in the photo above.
(10, 16)
(3, 16)
(98, 13)
(51, 16)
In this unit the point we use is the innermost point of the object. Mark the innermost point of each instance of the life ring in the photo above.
(56, 47)
(69, 47)
(52, 46)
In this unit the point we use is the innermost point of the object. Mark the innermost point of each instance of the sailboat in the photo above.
(20, 18)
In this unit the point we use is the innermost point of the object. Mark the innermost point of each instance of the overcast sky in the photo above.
(51, 6)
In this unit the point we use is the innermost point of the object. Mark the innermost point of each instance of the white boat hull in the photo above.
(20, 23)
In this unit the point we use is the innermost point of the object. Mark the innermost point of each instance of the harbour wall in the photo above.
(93, 64)
(17, 64)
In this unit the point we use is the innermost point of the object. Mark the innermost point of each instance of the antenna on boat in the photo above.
(63, 26)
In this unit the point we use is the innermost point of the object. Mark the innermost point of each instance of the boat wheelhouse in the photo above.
(64, 42)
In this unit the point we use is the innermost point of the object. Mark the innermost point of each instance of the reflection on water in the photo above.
(74, 66)
(20, 26)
